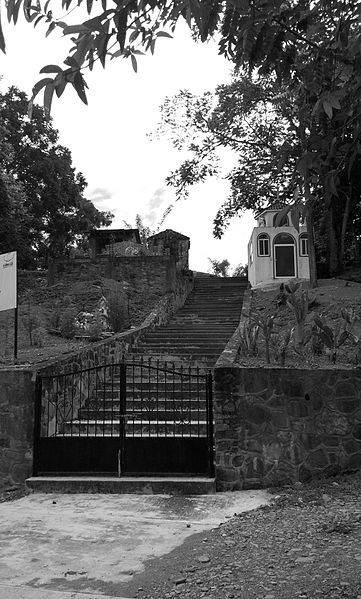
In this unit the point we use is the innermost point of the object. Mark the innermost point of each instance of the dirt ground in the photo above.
(45, 304)
(306, 545)
(328, 300)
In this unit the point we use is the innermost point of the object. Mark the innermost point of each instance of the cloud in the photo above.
(153, 204)
(100, 194)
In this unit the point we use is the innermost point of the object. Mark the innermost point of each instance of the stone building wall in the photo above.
(276, 426)
(16, 425)
(151, 274)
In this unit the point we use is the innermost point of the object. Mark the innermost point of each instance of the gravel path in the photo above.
(307, 544)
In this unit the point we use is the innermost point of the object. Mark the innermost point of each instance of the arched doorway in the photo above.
(284, 255)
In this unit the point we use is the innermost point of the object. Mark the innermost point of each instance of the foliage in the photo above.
(308, 50)
(299, 303)
(265, 323)
(332, 338)
(43, 207)
(353, 328)
(32, 323)
(144, 230)
(280, 343)
(118, 312)
(96, 328)
(67, 323)
(219, 268)
(248, 338)
(241, 270)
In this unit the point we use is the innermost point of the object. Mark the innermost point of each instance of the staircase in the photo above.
(199, 331)
(167, 405)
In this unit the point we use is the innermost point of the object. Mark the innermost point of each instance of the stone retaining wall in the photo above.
(275, 426)
(150, 274)
(16, 425)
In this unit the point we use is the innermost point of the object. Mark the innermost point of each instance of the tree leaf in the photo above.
(51, 68)
(2, 39)
(48, 97)
(51, 28)
(40, 84)
(281, 215)
(327, 108)
(164, 34)
(78, 85)
(134, 63)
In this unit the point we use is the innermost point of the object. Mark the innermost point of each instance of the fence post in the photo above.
(122, 415)
(37, 422)
(209, 397)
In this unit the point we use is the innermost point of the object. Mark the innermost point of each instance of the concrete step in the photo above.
(161, 412)
(136, 427)
(144, 485)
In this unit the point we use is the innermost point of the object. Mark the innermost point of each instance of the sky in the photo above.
(109, 139)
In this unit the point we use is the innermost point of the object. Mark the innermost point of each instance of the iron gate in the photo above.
(135, 417)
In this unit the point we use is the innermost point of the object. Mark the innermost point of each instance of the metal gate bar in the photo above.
(130, 417)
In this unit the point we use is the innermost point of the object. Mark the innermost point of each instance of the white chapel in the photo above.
(277, 253)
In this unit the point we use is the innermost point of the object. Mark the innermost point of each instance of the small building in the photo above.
(171, 243)
(277, 253)
(105, 240)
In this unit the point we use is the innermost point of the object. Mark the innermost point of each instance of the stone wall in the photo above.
(151, 274)
(16, 425)
(275, 426)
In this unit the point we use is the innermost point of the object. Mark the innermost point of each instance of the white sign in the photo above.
(8, 293)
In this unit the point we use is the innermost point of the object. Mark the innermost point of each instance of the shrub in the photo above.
(31, 322)
(117, 313)
(38, 336)
(67, 323)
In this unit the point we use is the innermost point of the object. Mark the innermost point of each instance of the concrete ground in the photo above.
(90, 546)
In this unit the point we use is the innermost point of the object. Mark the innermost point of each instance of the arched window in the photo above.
(263, 245)
(284, 239)
(303, 244)
(283, 222)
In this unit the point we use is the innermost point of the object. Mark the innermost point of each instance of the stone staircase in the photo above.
(167, 394)
(199, 331)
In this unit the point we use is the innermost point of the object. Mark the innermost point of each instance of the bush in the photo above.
(67, 323)
(117, 313)
(31, 322)
(38, 336)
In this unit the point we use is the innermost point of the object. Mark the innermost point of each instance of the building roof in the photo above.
(168, 233)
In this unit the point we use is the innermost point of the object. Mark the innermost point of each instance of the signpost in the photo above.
(8, 290)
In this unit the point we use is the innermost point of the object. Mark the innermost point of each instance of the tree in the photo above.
(144, 230)
(44, 194)
(312, 47)
(219, 268)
